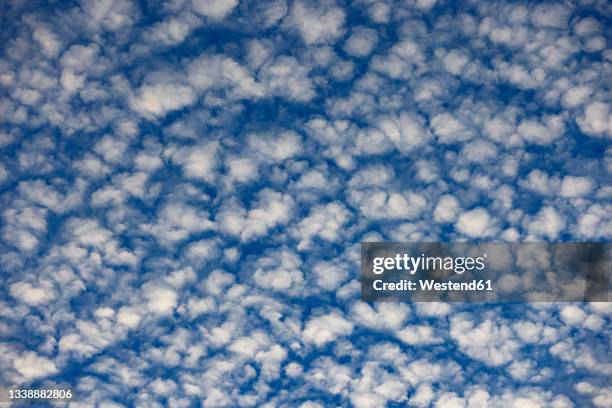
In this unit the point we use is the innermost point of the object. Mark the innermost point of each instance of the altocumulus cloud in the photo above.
(184, 184)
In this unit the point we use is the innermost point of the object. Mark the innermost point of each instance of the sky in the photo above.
(184, 186)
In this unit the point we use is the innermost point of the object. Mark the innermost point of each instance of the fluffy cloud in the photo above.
(156, 100)
(447, 209)
(317, 23)
(326, 222)
(383, 205)
(576, 186)
(323, 329)
(32, 366)
(280, 272)
(405, 131)
(330, 275)
(415, 335)
(198, 162)
(31, 294)
(492, 343)
(177, 221)
(384, 316)
(596, 120)
(270, 210)
(184, 188)
(595, 222)
(476, 223)
(361, 42)
(160, 300)
(548, 223)
(216, 9)
(448, 129)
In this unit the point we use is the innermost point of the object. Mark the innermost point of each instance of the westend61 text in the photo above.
(432, 285)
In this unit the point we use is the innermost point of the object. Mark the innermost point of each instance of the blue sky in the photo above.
(184, 186)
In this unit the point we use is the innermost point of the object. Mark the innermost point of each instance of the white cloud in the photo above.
(476, 223)
(501, 129)
(275, 147)
(109, 15)
(326, 222)
(545, 132)
(32, 366)
(163, 387)
(479, 151)
(48, 41)
(270, 361)
(288, 78)
(380, 12)
(329, 275)
(330, 376)
(84, 59)
(572, 186)
(596, 120)
(449, 129)
(89, 233)
(218, 281)
(433, 309)
(160, 300)
(379, 204)
(371, 176)
(45, 195)
(425, 4)
(280, 272)
(321, 330)
(383, 316)
(317, 180)
(155, 100)
(24, 227)
(241, 199)
(171, 31)
(4, 174)
(33, 295)
(217, 9)
(491, 342)
(587, 26)
(111, 149)
(573, 315)
(541, 182)
(551, 15)
(423, 396)
(198, 162)
(447, 209)
(208, 72)
(71, 82)
(148, 161)
(406, 131)
(361, 42)
(270, 12)
(449, 400)
(548, 222)
(129, 317)
(177, 221)
(576, 96)
(317, 23)
(242, 169)
(455, 61)
(595, 222)
(270, 210)
(417, 335)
